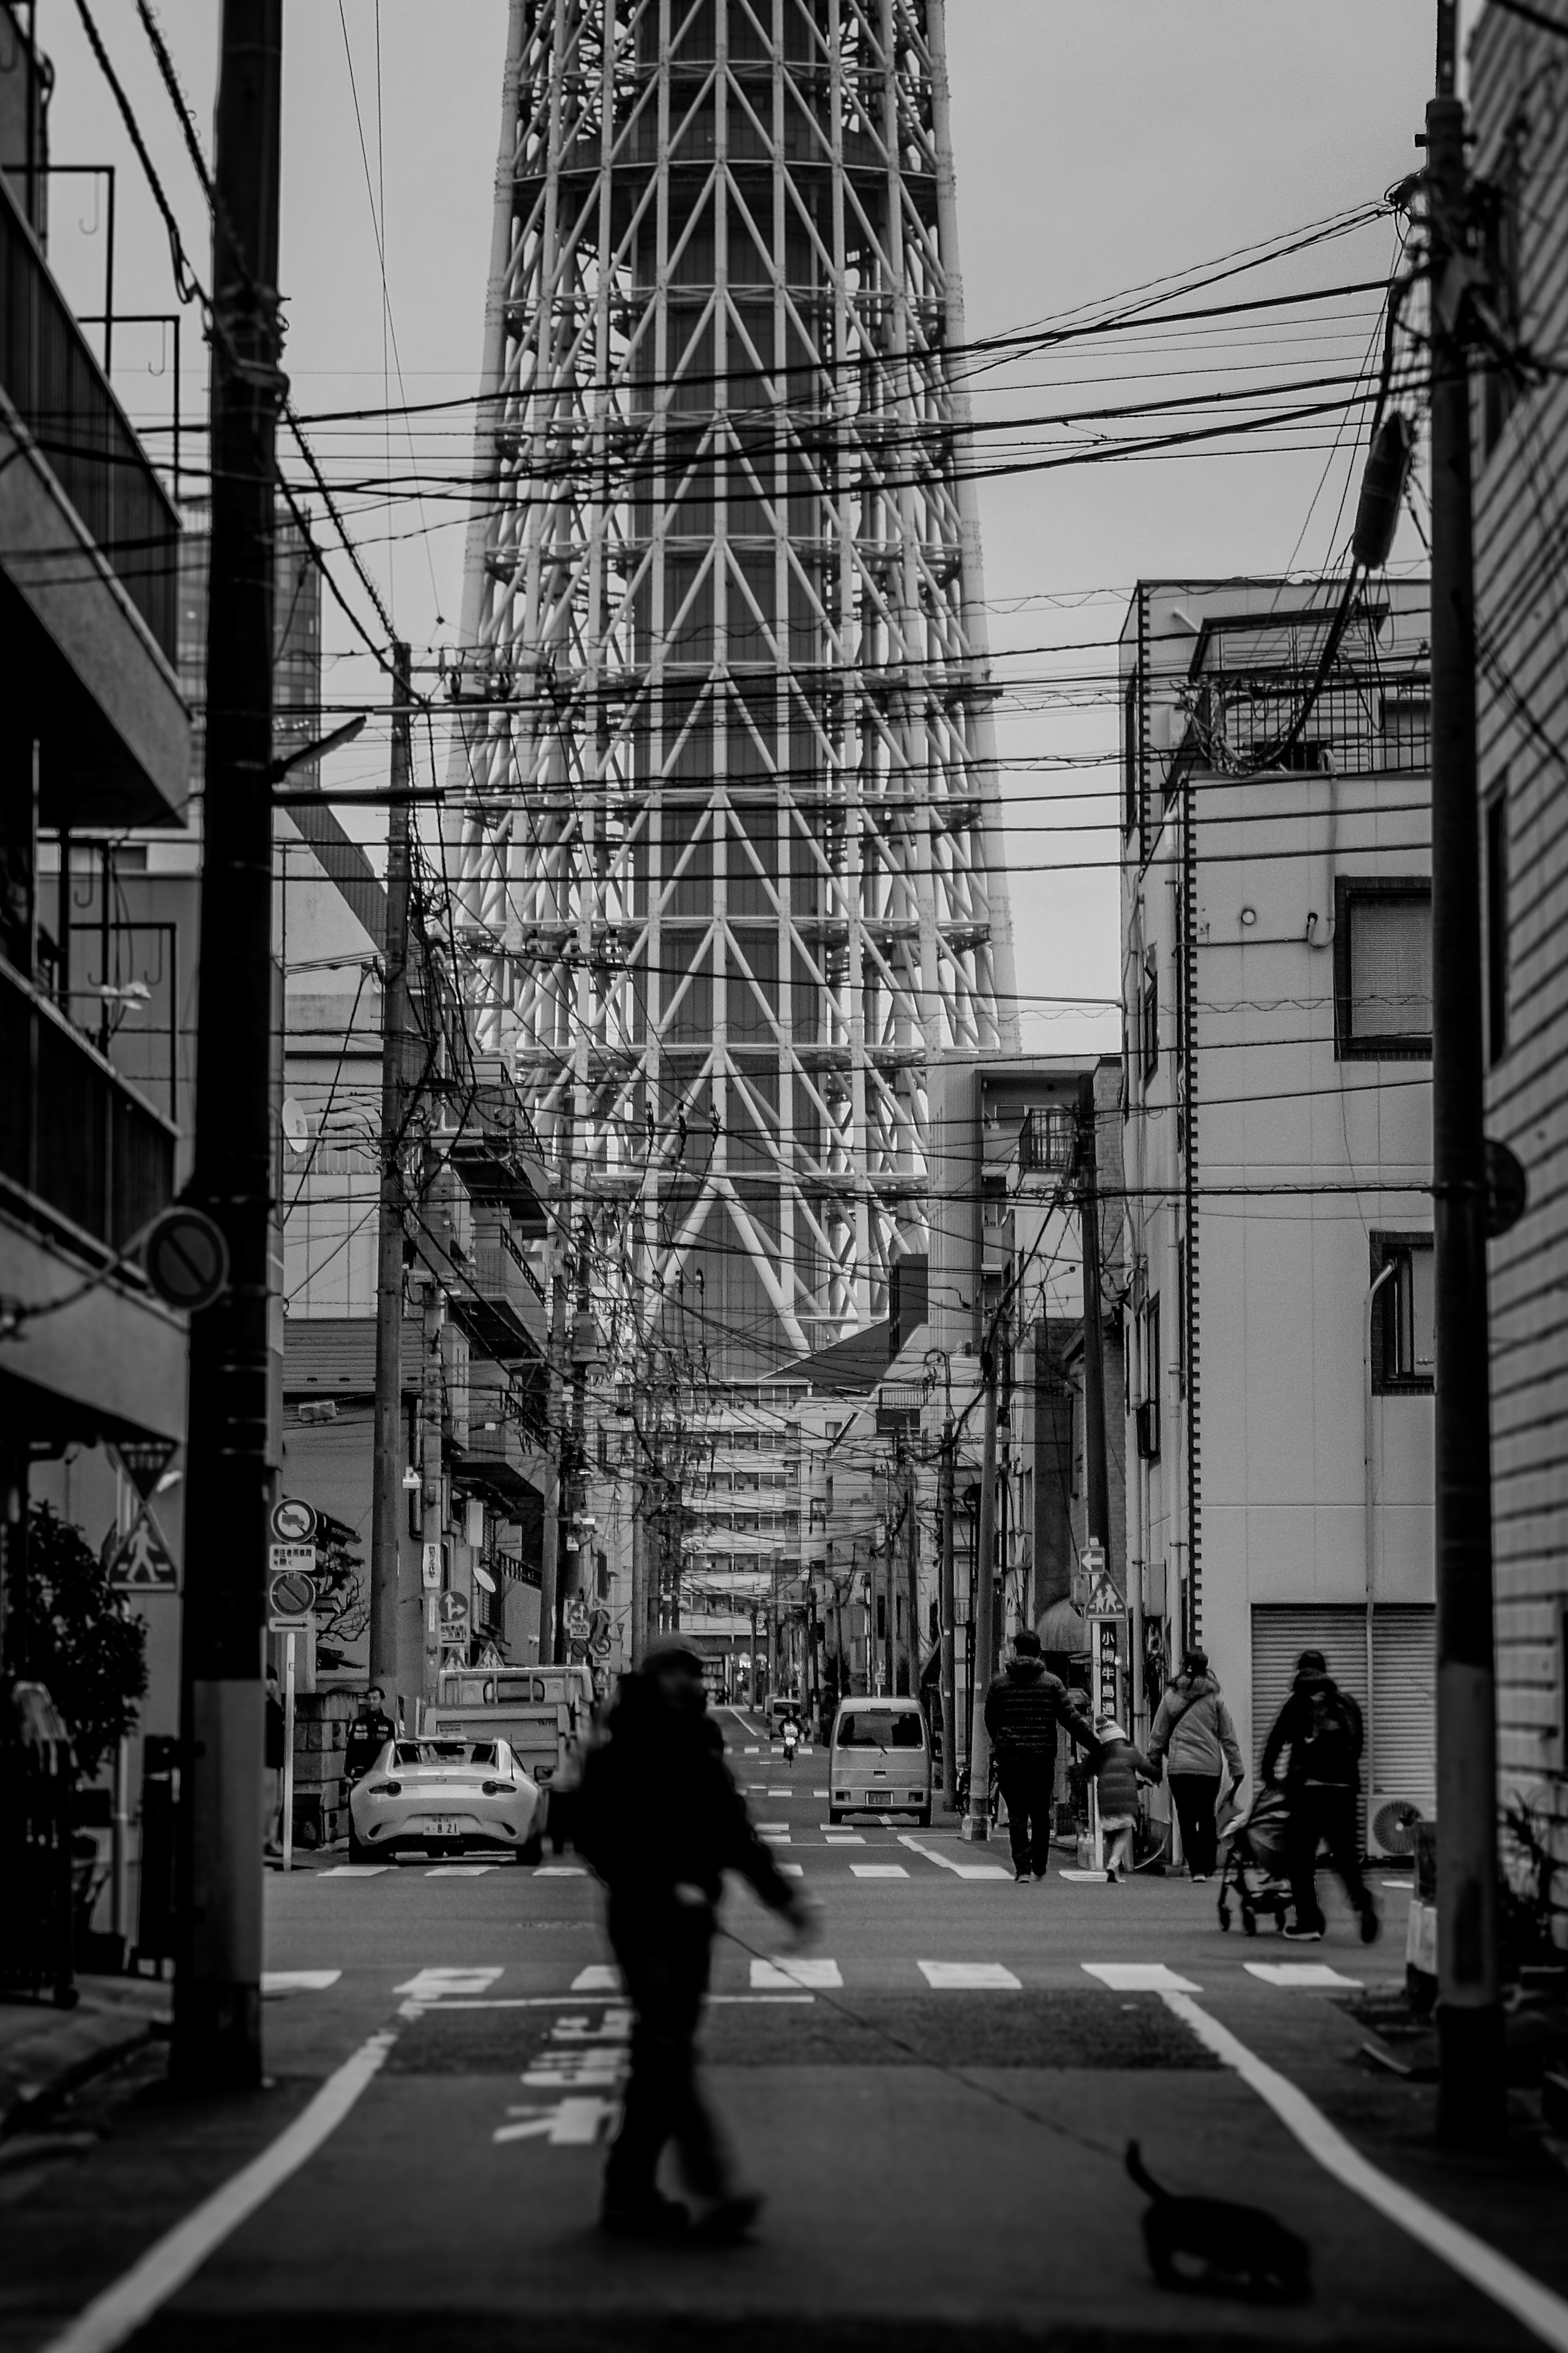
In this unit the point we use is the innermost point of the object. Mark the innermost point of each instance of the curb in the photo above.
(40, 2070)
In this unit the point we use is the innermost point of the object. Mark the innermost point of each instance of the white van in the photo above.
(880, 1760)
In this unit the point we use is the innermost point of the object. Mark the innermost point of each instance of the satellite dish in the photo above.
(296, 1133)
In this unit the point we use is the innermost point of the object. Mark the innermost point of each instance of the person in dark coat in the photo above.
(369, 1733)
(1117, 1770)
(1023, 1707)
(1321, 1727)
(276, 1735)
(660, 1820)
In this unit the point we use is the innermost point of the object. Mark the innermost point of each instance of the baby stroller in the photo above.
(1254, 1866)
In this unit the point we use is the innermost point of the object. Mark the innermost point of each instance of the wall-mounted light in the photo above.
(1248, 916)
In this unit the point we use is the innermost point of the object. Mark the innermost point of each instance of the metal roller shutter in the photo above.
(1404, 1704)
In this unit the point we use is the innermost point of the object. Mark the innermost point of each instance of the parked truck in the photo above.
(545, 1713)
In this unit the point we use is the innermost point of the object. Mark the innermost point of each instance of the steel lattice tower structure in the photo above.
(731, 862)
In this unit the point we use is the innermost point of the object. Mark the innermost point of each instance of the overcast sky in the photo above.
(1099, 145)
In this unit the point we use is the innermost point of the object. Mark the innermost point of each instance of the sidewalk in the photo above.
(46, 2052)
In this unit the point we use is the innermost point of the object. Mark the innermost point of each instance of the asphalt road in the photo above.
(936, 2106)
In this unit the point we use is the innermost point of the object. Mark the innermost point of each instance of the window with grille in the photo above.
(1382, 968)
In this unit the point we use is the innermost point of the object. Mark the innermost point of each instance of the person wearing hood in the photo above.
(1023, 1709)
(1194, 1739)
(1118, 1769)
(660, 1817)
(1321, 1727)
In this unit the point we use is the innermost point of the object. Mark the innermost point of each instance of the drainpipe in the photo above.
(1369, 1506)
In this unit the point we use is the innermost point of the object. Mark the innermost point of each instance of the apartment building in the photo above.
(94, 739)
(1276, 927)
(1521, 122)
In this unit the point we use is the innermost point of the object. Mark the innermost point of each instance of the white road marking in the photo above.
(793, 1870)
(1541, 2312)
(164, 2269)
(766, 1827)
(776, 1838)
(878, 1871)
(958, 1869)
(1139, 1976)
(599, 1976)
(780, 1975)
(819, 1793)
(460, 1869)
(436, 1985)
(779, 1793)
(1297, 1973)
(968, 1977)
(1400, 1886)
(299, 1980)
(354, 1870)
(561, 1871)
(575, 2124)
(845, 1838)
(1096, 1877)
(753, 1750)
(761, 1997)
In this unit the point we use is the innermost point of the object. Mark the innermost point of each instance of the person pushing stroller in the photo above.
(1321, 1727)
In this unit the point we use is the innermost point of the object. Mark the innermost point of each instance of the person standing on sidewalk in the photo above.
(1023, 1709)
(1194, 1738)
(1321, 1727)
(660, 1820)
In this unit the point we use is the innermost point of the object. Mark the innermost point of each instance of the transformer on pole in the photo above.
(731, 849)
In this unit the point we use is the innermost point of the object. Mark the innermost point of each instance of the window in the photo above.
(1382, 968)
(880, 1728)
(1147, 1415)
(1496, 886)
(1404, 1322)
(1149, 1018)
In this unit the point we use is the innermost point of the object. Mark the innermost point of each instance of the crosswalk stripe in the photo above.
(819, 1793)
(431, 1984)
(1139, 1976)
(775, 1838)
(599, 1976)
(1298, 1973)
(793, 1870)
(950, 1863)
(968, 1977)
(561, 1871)
(778, 1793)
(460, 1869)
(354, 1870)
(765, 1827)
(299, 1980)
(779, 1976)
(844, 1838)
(878, 1871)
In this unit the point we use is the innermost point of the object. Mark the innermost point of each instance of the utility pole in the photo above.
(1470, 2100)
(912, 1575)
(945, 1617)
(387, 1507)
(1096, 1476)
(218, 1981)
(637, 1633)
(977, 1823)
(431, 1320)
(888, 1548)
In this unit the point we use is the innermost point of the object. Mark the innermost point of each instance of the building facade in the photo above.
(1277, 990)
(1521, 455)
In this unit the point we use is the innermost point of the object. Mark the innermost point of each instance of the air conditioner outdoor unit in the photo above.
(1390, 1825)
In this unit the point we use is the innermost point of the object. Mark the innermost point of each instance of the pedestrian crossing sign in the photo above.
(142, 1562)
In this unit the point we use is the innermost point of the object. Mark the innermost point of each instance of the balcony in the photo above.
(88, 572)
(75, 1140)
(499, 1450)
(501, 1304)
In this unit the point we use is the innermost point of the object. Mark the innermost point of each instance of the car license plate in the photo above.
(878, 1797)
(442, 1826)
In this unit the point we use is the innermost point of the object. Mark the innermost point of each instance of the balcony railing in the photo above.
(49, 373)
(73, 1136)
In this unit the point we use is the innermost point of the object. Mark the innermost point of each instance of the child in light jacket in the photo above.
(1118, 1769)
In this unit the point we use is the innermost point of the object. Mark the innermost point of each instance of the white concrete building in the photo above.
(1277, 982)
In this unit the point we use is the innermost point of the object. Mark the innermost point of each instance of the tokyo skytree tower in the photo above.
(731, 847)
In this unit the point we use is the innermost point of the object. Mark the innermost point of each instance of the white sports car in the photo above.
(443, 1796)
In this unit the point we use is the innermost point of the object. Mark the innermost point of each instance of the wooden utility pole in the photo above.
(1471, 2095)
(977, 1823)
(945, 1618)
(229, 1474)
(387, 1502)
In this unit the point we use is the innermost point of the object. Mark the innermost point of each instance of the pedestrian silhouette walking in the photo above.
(660, 1819)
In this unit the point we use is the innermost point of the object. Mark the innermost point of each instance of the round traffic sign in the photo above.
(293, 1594)
(185, 1257)
(292, 1521)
